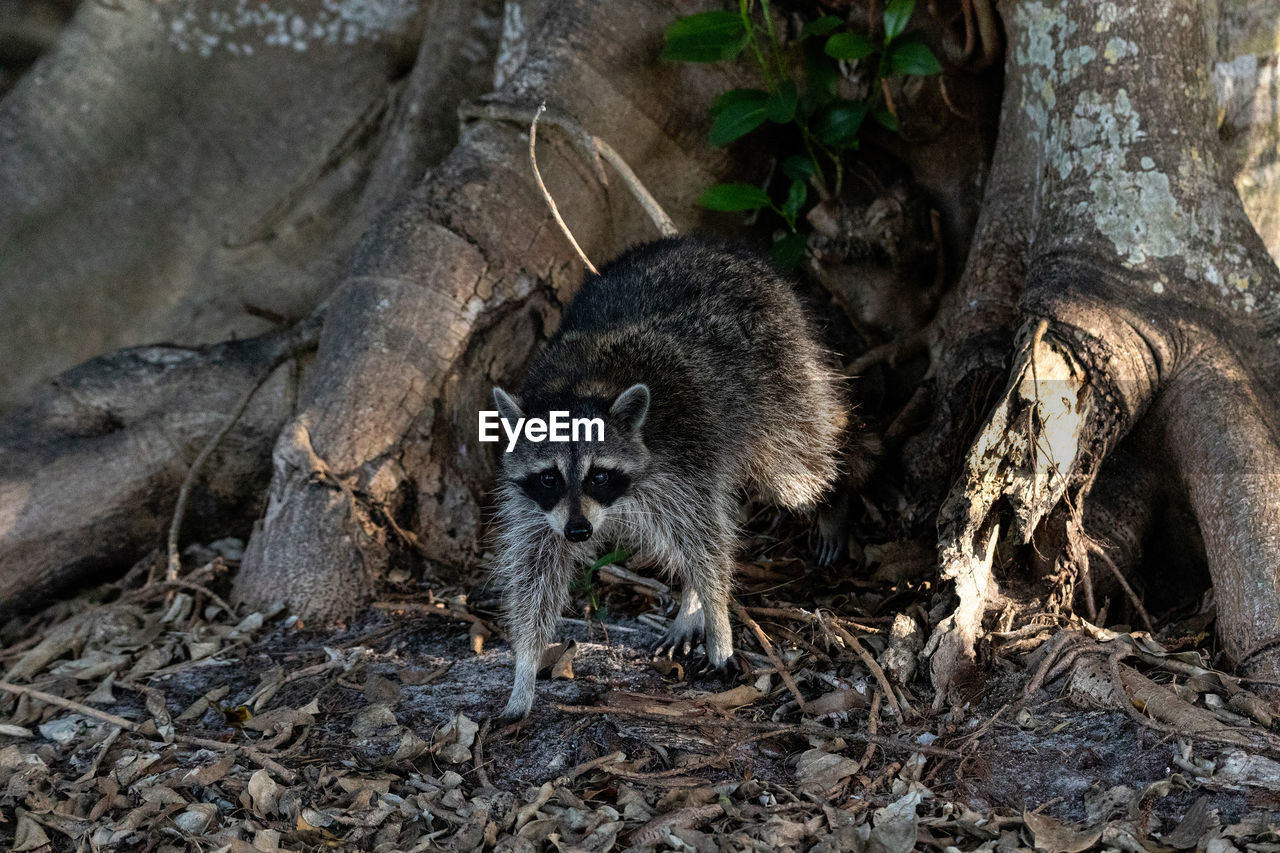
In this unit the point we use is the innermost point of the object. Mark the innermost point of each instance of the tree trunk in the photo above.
(1113, 241)
(165, 164)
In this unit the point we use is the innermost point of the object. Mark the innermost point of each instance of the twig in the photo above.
(546, 194)
(69, 704)
(767, 646)
(588, 766)
(805, 616)
(873, 725)
(893, 350)
(130, 726)
(308, 334)
(658, 828)
(481, 774)
(181, 583)
(440, 610)
(888, 98)
(1124, 584)
(907, 417)
(988, 31)
(593, 148)
(107, 743)
(693, 765)
(872, 665)
(970, 30)
(803, 728)
(252, 754)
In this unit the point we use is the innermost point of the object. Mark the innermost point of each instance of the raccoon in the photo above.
(708, 376)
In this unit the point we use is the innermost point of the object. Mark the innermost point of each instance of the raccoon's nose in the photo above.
(577, 530)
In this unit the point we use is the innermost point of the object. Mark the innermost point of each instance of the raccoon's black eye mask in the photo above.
(605, 486)
(545, 488)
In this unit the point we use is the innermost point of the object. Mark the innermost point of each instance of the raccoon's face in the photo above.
(576, 483)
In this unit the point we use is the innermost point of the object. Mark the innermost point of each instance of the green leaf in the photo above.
(735, 197)
(781, 106)
(821, 75)
(912, 57)
(705, 37)
(849, 46)
(820, 27)
(735, 96)
(798, 168)
(796, 197)
(738, 112)
(840, 123)
(788, 252)
(896, 15)
(885, 119)
(617, 555)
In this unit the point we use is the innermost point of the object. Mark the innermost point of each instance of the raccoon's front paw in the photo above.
(681, 638)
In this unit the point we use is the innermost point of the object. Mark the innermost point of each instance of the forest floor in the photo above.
(151, 717)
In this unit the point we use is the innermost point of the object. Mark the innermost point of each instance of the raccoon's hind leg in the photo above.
(687, 629)
(834, 526)
(534, 595)
(858, 455)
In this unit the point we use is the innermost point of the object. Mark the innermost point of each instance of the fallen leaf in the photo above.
(263, 792)
(29, 835)
(818, 771)
(668, 668)
(197, 817)
(210, 773)
(453, 742)
(1054, 836)
(1194, 824)
(836, 702)
(563, 667)
(734, 697)
(894, 827)
(379, 689)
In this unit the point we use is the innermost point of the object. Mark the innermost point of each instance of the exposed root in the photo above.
(767, 647)
(551, 202)
(593, 148)
(1026, 454)
(310, 333)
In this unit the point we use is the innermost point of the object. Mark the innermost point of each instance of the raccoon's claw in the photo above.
(679, 640)
(729, 670)
(832, 536)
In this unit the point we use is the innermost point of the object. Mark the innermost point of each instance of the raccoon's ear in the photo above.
(631, 406)
(508, 406)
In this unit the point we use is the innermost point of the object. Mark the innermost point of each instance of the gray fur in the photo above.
(709, 377)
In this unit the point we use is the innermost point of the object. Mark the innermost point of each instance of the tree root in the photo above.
(91, 467)
(1030, 448)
